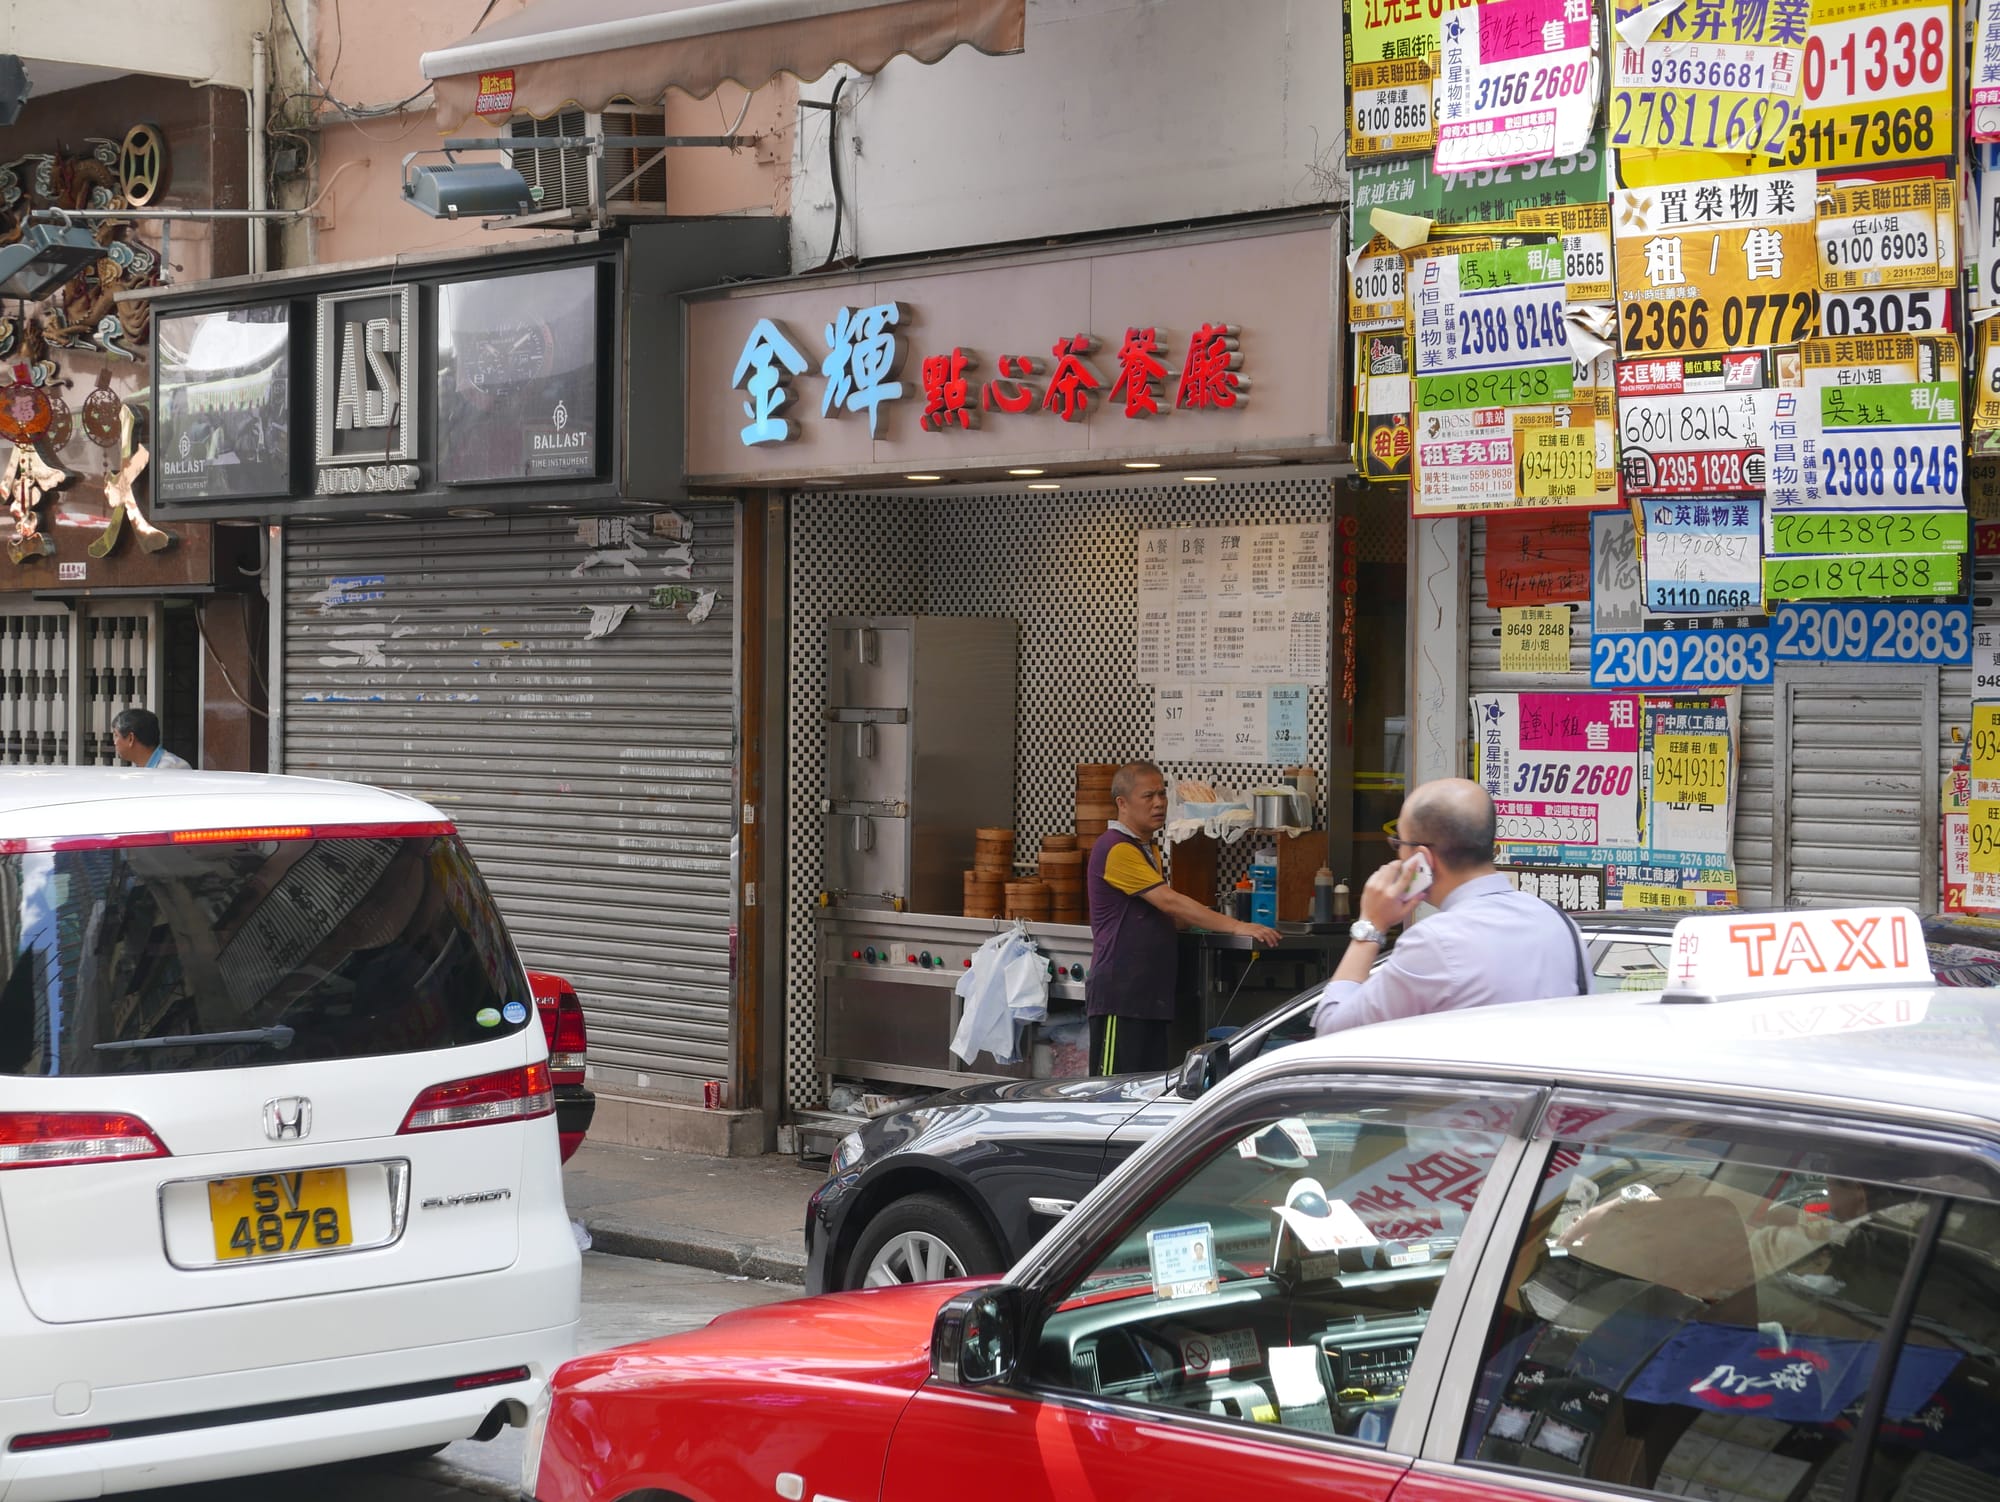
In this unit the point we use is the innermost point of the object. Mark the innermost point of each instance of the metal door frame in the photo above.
(1864, 681)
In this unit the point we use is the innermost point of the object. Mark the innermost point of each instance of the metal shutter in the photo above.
(593, 780)
(1857, 816)
(1755, 756)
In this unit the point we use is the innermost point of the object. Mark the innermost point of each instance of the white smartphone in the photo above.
(1417, 875)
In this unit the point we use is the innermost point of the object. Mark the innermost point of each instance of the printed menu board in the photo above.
(1234, 605)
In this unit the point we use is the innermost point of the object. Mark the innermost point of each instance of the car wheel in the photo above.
(921, 1239)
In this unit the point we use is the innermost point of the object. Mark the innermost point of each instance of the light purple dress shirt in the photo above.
(1487, 944)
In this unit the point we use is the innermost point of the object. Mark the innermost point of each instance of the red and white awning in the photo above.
(558, 53)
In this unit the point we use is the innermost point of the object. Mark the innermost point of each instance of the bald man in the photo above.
(1487, 943)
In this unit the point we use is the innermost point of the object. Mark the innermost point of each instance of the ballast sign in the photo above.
(1742, 954)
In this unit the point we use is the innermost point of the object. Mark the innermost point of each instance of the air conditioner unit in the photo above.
(569, 176)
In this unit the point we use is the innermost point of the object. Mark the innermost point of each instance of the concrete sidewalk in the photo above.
(732, 1215)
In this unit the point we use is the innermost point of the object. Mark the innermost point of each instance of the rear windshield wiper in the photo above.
(279, 1037)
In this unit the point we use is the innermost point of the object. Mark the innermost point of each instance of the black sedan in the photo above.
(963, 1182)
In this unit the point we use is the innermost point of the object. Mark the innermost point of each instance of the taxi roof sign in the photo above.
(1821, 949)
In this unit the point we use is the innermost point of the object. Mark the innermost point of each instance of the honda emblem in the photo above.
(287, 1118)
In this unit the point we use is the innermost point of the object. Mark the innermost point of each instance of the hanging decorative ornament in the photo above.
(62, 422)
(25, 413)
(101, 412)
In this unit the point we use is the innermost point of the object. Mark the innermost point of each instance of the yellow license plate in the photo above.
(279, 1214)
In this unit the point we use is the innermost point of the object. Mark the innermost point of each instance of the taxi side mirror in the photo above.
(1204, 1066)
(976, 1338)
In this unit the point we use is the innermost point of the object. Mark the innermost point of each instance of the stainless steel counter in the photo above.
(886, 1006)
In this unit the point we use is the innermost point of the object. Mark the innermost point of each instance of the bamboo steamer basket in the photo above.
(1058, 842)
(993, 850)
(1087, 830)
(985, 895)
(1106, 811)
(1028, 900)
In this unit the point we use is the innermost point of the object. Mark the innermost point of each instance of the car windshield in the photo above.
(126, 958)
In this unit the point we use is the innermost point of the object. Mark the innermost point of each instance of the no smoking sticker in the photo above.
(1218, 1355)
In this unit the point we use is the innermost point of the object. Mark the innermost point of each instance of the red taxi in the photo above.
(1736, 1240)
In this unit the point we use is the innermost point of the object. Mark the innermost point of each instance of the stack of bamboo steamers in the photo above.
(1055, 893)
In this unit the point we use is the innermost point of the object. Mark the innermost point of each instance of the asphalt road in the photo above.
(623, 1300)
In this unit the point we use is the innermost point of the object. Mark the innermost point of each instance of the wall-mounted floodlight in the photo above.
(46, 256)
(476, 189)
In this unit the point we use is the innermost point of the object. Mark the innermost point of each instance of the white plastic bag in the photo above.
(1005, 987)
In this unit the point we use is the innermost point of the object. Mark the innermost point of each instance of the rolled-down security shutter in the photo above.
(1857, 769)
(1755, 755)
(593, 777)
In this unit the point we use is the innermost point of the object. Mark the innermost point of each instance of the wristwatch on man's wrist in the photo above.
(1364, 932)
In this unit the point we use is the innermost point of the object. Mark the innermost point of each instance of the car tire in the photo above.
(919, 1239)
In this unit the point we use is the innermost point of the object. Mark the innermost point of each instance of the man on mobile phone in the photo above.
(1487, 943)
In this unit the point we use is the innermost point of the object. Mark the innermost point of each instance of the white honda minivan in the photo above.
(278, 1164)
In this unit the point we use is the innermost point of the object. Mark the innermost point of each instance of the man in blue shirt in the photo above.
(135, 739)
(1487, 943)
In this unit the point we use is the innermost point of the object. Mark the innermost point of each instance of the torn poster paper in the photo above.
(702, 606)
(605, 619)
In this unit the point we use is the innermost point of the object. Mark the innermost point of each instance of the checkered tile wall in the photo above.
(1061, 563)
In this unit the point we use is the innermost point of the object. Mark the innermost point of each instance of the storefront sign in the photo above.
(1617, 582)
(1517, 82)
(366, 343)
(1709, 77)
(1106, 354)
(495, 98)
(1875, 85)
(1890, 234)
(1715, 265)
(1873, 633)
(1390, 108)
(1695, 425)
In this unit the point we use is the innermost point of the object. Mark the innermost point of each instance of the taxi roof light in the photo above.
(1733, 956)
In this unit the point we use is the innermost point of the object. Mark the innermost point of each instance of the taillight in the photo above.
(562, 1026)
(48, 1139)
(505, 1095)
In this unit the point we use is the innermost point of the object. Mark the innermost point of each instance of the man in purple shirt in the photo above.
(1487, 943)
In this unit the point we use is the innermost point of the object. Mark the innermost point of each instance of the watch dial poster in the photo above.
(517, 377)
(225, 382)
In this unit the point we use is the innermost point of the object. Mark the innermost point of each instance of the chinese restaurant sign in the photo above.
(1128, 351)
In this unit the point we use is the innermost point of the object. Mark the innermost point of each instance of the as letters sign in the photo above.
(361, 407)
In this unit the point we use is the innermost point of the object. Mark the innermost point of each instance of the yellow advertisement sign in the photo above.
(1985, 749)
(1894, 234)
(1375, 288)
(1692, 769)
(1986, 395)
(1586, 236)
(1983, 825)
(1388, 30)
(1668, 897)
(1876, 85)
(1389, 108)
(1556, 464)
(1708, 77)
(1534, 638)
(1709, 266)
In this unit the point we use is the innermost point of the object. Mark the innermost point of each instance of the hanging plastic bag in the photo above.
(1005, 987)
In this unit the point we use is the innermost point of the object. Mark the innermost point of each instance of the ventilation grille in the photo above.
(649, 188)
(563, 175)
